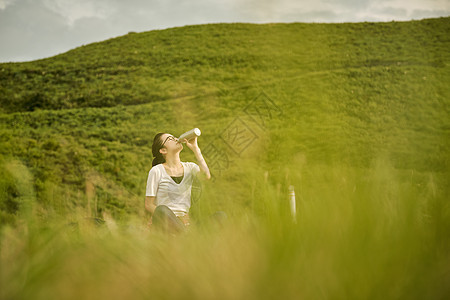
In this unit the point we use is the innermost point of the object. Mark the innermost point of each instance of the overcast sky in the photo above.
(33, 29)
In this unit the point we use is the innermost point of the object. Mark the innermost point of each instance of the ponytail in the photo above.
(157, 144)
(158, 160)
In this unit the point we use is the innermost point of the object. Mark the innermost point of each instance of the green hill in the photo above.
(355, 116)
(193, 60)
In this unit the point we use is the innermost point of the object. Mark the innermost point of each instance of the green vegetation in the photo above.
(354, 116)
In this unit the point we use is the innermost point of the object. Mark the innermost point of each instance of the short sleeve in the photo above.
(194, 168)
(152, 182)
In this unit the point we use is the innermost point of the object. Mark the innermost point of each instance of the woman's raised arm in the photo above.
(198, 155)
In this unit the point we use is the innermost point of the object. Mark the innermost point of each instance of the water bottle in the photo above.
(189, 135)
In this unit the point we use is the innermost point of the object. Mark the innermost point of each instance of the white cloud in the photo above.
(407, 9)
(72, 10)
(5, 3)
(41, 28)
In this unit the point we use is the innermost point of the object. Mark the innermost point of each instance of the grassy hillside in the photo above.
(192, 60)
(354, 116)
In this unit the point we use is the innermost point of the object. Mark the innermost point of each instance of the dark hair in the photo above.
(157, 144)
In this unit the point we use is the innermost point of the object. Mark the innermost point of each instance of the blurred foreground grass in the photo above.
(362, 233)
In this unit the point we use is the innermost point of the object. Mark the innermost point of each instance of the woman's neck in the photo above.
(173, 161)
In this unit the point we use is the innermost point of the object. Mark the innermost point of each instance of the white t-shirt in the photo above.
(176, 196)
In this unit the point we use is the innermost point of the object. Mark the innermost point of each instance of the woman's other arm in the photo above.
(150, 204)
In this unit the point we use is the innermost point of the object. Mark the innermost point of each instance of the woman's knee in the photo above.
(164, 216)
(161, 213)
(162, 210)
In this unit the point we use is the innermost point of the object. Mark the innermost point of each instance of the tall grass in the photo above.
(361, 233)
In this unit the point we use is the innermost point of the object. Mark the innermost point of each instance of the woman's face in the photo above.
(171, 143)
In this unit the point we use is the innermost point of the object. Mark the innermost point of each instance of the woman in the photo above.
(169, 183)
